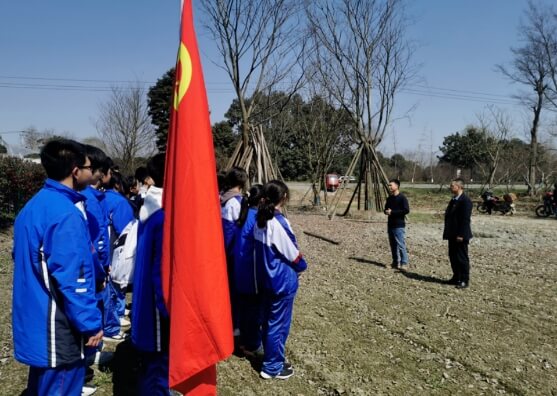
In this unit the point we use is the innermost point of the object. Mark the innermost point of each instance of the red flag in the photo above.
(195, 281)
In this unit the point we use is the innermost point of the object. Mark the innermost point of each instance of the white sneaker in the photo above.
(88, 390)
(124, 322)
(117, 338)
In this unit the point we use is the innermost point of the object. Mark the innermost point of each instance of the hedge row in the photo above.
(19, 181)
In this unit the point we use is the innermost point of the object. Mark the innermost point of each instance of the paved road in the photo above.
(304, 186)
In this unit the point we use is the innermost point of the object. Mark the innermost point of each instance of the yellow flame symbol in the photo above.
(184, 78)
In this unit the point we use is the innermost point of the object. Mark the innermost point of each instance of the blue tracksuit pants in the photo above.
(111, 320)
(58, 381)
(277, 316)
(153, 375)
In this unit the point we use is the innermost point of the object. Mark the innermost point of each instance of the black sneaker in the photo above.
(286, 372)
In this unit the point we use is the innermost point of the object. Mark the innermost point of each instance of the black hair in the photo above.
(236, 177)
(141, 174)
(221, 176)
(130, 181)
(96, 156)
(396, 181)
(155, 169)
(116, 180)
(255, 193)
(249, 201)
(107, 164)
(59, 157)
(273, 193)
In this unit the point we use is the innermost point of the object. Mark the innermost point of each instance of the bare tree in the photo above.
(33, 139)
(541, 28)
(362, 58)
(95, 141)
(255, 39)
(497, 127)
(325, 129)
(125, 126)
(531, 69)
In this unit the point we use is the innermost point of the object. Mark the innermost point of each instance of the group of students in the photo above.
(264, 264)
(64, 239)
(65, 252)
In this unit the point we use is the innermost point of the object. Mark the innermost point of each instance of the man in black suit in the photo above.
(458, 232)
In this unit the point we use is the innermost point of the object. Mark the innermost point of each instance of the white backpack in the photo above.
(123, 255)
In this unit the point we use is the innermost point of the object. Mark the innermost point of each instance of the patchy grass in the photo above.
(361, 328)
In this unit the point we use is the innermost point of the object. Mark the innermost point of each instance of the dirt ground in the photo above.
(360, 328)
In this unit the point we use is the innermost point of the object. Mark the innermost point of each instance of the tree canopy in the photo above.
(159, 102)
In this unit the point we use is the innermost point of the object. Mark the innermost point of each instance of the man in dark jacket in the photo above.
(397, 208)
(458, 232)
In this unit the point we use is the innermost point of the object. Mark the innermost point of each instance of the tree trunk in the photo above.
(533, 160)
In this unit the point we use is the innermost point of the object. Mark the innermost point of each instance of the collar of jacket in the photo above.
(151, 203)
(229, 195)
(96, 193)
(72, 195)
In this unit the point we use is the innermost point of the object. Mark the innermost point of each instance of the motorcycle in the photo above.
(548, 207)
(492, 203)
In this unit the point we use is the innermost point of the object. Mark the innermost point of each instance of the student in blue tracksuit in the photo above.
(97, 222)
(279, 263)
(97, 218)
(245, 279)
(54, 311)
(120, 213)
(150, 319)
(231, 206)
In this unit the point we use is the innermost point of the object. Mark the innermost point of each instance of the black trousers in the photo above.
(460, 263)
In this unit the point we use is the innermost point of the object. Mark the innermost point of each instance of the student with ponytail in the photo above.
(245, 276)
(278, 263)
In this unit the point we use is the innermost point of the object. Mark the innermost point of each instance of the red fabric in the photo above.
(195, 281)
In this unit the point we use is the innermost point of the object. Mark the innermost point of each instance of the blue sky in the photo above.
(64, 43)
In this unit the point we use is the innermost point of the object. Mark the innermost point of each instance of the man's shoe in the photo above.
(452, 281)
(117, 338)
(88, 390)
(124, 322)
(286, 372)
(462, 285)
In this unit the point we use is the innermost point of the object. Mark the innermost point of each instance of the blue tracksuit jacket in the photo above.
(119, 211)
(245, 276)
(277, 257)
(54, 305)
(150, 319)
(230, 212)
(97, 220)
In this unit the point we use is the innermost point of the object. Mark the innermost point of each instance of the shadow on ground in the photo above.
(366, 261)
(423, 278)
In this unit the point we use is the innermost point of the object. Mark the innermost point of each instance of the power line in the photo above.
(223, 88)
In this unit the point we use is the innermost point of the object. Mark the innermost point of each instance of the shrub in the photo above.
(19, 181)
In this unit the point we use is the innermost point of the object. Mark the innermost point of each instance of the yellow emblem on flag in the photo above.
(184, 78)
